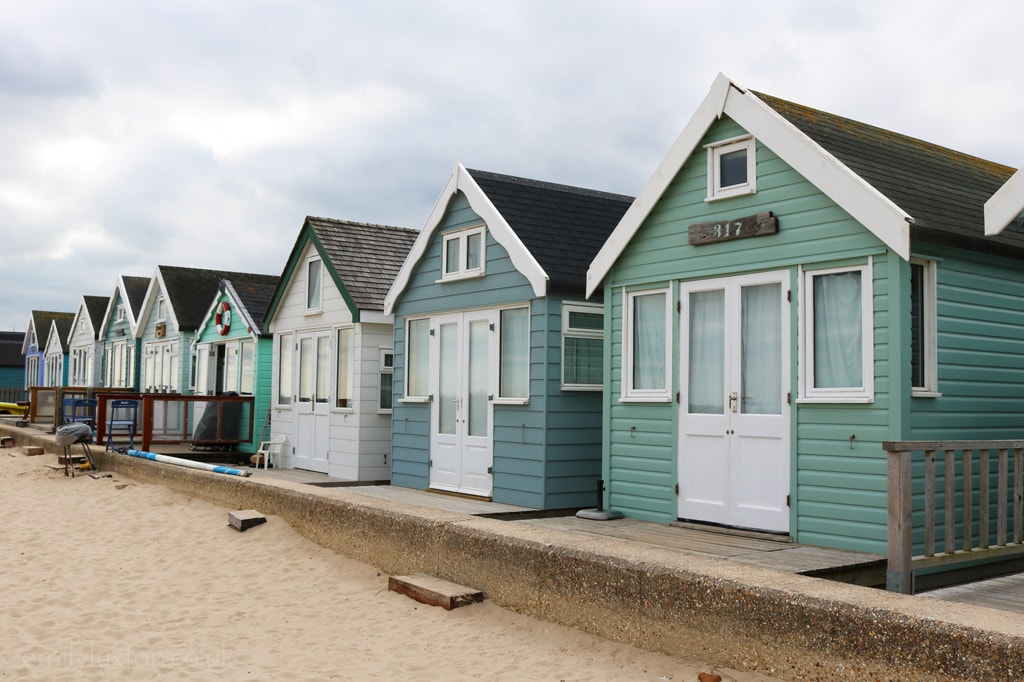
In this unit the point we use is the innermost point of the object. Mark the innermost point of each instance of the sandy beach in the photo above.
(112, 579)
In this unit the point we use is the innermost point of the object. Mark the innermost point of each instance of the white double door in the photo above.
(312, 404)
(734, 448)
(463, 355)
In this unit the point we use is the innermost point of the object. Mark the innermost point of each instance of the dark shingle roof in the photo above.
(96, 308)
(10, 349)
(255, 296)
(190, 291)
(64, 324)
(944, 190)
(135, 290)
(42, 320)
(365, 257)
(563, 227)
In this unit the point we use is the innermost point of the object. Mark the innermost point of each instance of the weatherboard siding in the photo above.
(641, 439)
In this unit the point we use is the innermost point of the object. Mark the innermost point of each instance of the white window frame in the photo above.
(348, 371)
(852, 394)
(318, 306)
(629, 392)
(462, 271)
(500, 398)
(716, 151)
(580, 333)
(929, 317)
(409, 397)
(389, 370)
(161, 309)
(119, 313)
(284, 341)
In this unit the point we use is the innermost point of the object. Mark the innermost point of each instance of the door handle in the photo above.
(734, 400)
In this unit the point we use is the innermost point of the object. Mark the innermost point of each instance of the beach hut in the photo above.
(37, 336)
(117, 333)
(333, 348)
(498, 371)
(790, 290)
(233, 348)
(55, 353)
(12, 367)
(176, 302)
(85, 347)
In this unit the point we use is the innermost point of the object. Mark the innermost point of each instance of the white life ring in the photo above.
(223, 318)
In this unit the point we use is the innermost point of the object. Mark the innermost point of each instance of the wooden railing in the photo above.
(169, 418)
(974, 502)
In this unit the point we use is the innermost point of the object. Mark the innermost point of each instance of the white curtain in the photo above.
(649, 342)
(479, 331)
(761, 349)
(838, 335)
(417, 358)
(707, 352)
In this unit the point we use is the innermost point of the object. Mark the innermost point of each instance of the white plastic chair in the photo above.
(270, 449)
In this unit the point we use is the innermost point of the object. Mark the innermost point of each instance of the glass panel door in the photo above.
(706, 393)
(760, 349)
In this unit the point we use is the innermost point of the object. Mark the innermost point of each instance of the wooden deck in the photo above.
(757, 549)
(1005, 593)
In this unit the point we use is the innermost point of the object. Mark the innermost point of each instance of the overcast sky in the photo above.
(202, 132)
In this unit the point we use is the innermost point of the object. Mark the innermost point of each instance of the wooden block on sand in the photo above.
(427, 589)
(32, 450)
(245, 519)
(6, 442)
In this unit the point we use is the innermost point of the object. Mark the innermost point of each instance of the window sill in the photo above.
(416, 400)
(729, 194)
(924, 393)
(645, 399)
(583, 387)
(510, 401)
(827, 400)
(459, 277)
(310, 312)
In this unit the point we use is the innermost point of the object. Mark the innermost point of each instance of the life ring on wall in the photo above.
(223, 318)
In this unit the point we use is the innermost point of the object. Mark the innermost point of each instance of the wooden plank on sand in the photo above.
(433, 591)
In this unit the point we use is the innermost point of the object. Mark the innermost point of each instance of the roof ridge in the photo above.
(358, 223)
(544, 184)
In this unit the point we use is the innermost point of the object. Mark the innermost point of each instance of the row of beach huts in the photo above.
(788, 291)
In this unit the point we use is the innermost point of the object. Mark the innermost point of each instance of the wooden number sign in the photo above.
(739, 228)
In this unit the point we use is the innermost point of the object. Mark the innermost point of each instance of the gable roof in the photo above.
(10, 349)
(1006, 206)
(132, 292)
(60, 331)
(40, 322)
(361, 258)
(886, 181)
(94, 307)
(188, 292)
(251, 301)
(549, 231)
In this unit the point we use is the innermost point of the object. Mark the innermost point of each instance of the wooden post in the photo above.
(899, 576)
(929, 503)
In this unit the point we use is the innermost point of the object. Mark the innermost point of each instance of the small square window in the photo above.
(463, 254)
(732, 168)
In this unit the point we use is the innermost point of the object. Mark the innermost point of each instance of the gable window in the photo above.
(514, 354)
(463, 254)
(346, 347)
(119, 313)
(161, 308)
(923, 335)
(646, 348)
(732, 168)
(836, 347)
(417, 359)
(285, 358)
(314, 284)
(386, 372)
(582, 347)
